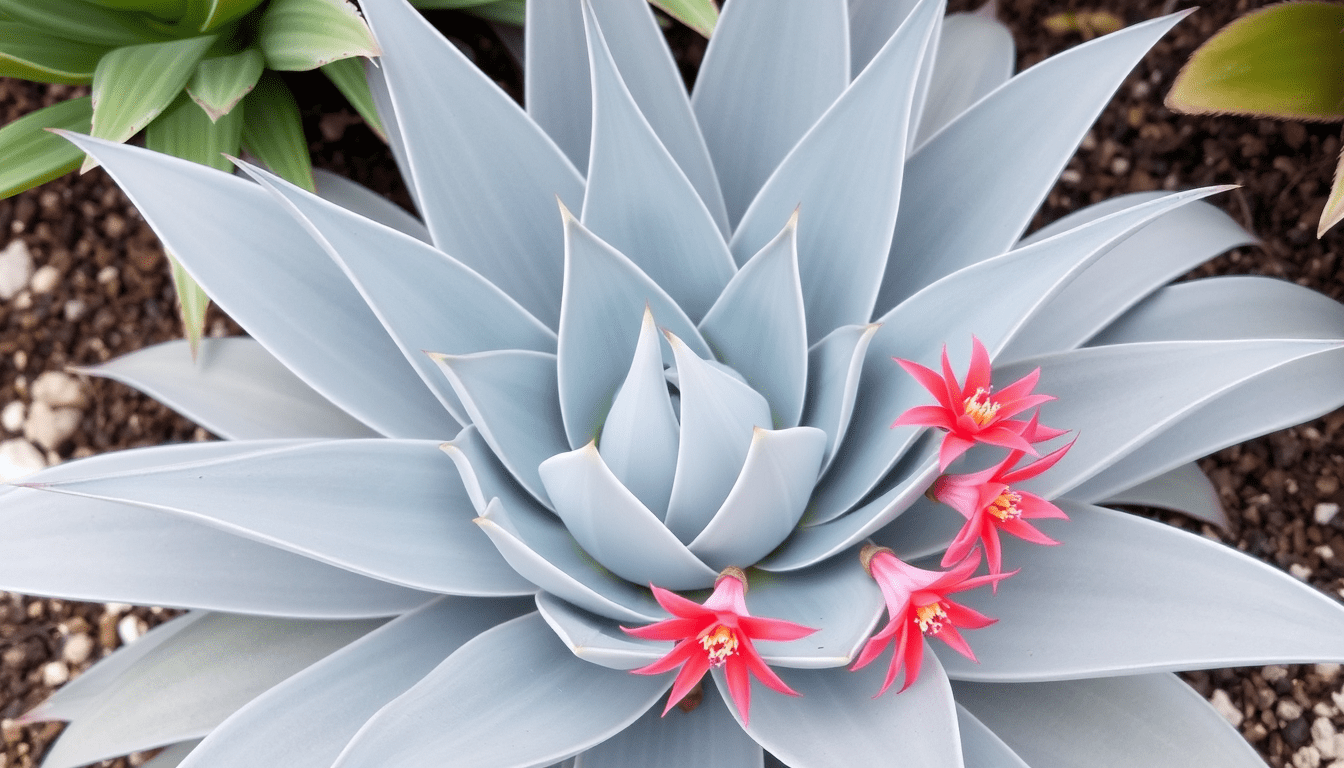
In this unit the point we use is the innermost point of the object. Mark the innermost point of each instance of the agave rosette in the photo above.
(693, 373)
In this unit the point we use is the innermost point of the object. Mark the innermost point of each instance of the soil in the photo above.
(114, 296)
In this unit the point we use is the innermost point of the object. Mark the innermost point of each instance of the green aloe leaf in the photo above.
(306, 34)
(78, 20)
(505, 11)
(134, 84)
(273, 131)
(348, 76)
(221, 82)
(1286, 60)
(1334, 207)
(168, 10)
(700, 15)
(31, 155)
(184, 130)
(205, 15)
(31, 54)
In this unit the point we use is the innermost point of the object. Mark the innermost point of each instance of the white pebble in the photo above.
(1325, 552)
(1223, 703)
(1288, 709)
(1307, 757)
(107, 274)
(18, 458)
(49, 427)
(1299, 571)
(75, 309)
(59, 390)
(1274, 673)
(1325, 512)
(77, 648)
(1328, 671)
(130, 628)
(116, 609)
(16, 268)
(11, 418)
(55, 673)
(45, 279)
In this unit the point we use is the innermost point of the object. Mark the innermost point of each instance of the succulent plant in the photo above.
(689, 385)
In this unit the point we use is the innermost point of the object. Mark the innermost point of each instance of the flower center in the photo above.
(930, 618)
(1005, 507)
(979, 407)
(720, 643)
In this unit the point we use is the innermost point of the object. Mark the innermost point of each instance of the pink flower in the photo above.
(989, 503)
(716, 634)
(974, 412)
(917, 605)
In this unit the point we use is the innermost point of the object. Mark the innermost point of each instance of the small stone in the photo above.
(1297, 733)
(1327, 671)
(1223, 703)
(20, 359)
(108, 274)
(1307, 757)
(18, 458)
(10, 731)
(14, 656)
(55, 673)
(1299, 571)
(1274, 673)
(1323, 737)
(77, 648)
(75, 309)
(130, 628)
(1119, 166)
(45, 279)
(1288, 709)
(1325, 512)
(49, 427)
(11, 418)
(1071, 176)
(16, 268)
(1325, 552)
(59, 390)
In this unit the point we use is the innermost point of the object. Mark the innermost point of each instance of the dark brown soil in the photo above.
(114, 297)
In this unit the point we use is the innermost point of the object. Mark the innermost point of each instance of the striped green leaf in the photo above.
(30, 155)
(220, 82)
(31, 54)
(273, 131)
(306, 34)
(78, 20)
(132, 85)
(348, 76)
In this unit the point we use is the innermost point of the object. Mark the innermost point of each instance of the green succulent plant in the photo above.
(1285, 61)
(688, 384)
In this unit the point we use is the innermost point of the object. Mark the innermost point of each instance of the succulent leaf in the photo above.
(273, 131)
(975, 56)
(306, 34)
(834, 365)
(367, 203)
(31, 155)
(220, 82)
(32, 54)
(1185, 489)
(348, 77)
(1219, 607)
(82, 22)
(981, 747)
(1153, 720)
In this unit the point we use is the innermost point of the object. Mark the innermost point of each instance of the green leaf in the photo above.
(78, 20)
(31, 54)
(503, 11)
(132, 85)
(273, 131)
(700, 15)
(348, 76)
(451, 4)
(206, 15)
(221, 82)
(185, 131)
(1334, 207)
(31, 155)
(1285, 61)
(168, 10)
(305, 34)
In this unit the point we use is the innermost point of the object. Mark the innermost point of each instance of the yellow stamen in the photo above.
(1005, 507)
(979, 407)
(720, 643)
(930, 618)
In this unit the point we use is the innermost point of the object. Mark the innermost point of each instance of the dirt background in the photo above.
(113, 296)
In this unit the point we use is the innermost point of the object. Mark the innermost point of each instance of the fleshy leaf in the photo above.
(845, 177)
(538, 547)
(442, 103)
(31, 155)
(981, 747)
(640, 436)
(193, 680)
(596, 639)
(1156, 721)
(273, 131)
(305, 721)
(515, 696)
(605, 295)
(1008, 150)
(770, 70)
(267, 273)
(975, 56)
(367, 203)
(234, 388)
(172, 755)
(31, 54)
(1184, 489)
(348, 77)
(220, 82)
(700, 15)
(834, 364)
(306, 34)
(837, 721)
(152, 558)
(80, 21)
(1143, 597)
(653, 215)
(133, 84)
(484, 478)
(718, 415)
(757, 326)
(388, 509)
(767, 498)
(1281, 61)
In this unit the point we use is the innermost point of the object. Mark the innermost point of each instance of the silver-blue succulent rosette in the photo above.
(641, 336)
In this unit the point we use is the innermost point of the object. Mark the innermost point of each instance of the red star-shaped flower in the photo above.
(917, 605)
(718, 633)
(990, 504)
(972, 412)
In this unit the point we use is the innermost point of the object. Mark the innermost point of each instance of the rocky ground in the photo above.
(82, 279)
